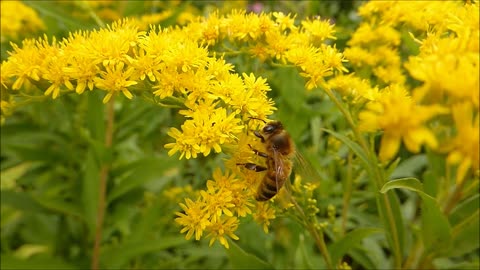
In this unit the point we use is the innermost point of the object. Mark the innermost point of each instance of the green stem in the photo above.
(317, 235)
(347, 192)
(103, 186)
(453, 198)
(85, 5)
(377, 176)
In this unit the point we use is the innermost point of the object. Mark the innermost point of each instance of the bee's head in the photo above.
(272, 127)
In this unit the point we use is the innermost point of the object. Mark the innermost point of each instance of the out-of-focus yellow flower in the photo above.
(464, 147)
(18, 19)
(445, 66)
(155, 18)
(396, 114)
(353, 88)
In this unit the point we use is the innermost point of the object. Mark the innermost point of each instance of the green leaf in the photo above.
(410, 166)
(464, 209)
(95, 116)
(464, 233)
(436, 231)
(50, 9)
(240, 259)
(289, 82)
(144, 171)
(21, 201)
(302, 256)
(116, 257)
(90, 186)
(352, 145)
(37, 262)
(60, 206)
(389, 209)
(351, 240)
(11, 175)
(405, 183)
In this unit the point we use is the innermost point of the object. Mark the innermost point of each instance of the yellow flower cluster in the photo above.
(447, 67)
(274, 37)
(181, 64)
(217, 210)
(175, 63)
(165, 62)
(277, 38)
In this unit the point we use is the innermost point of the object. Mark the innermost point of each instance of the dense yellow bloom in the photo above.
(445, 66)
(357, 90)
(276, 36)
(217, 209)
(208, 129)
(420, 15)
(396, 114)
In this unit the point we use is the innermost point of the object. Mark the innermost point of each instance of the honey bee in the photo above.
(279, 153)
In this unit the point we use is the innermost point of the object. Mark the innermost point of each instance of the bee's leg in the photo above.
(259, 136)
(258, 153)
(253, 167)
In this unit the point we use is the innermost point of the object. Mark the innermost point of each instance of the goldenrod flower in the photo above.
(204, 132)
(215, 211)
(263, 214)
(24, 64)
(225, 227)
(319, 30)
(285, 21)
(401, 119)
(194, 219)
(115, 79)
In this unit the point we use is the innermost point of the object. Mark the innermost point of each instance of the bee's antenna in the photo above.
(258, 119)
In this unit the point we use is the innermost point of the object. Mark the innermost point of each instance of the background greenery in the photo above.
(49, 171)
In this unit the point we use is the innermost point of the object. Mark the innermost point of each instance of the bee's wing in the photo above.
(279, 164)
(305, 169)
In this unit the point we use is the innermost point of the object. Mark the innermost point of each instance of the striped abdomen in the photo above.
(274, 179)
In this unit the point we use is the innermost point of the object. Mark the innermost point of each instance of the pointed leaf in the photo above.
(240, 259)
(349, 241)
(142, 172)
(464, 233)
(352, 145)
(118, 256)
(436, 231)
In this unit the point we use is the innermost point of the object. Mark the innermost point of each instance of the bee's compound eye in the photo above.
(268, 128)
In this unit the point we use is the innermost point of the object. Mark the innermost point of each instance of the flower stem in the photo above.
(347, 192)
(377, 175)
(103, 186)
(319, 239)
